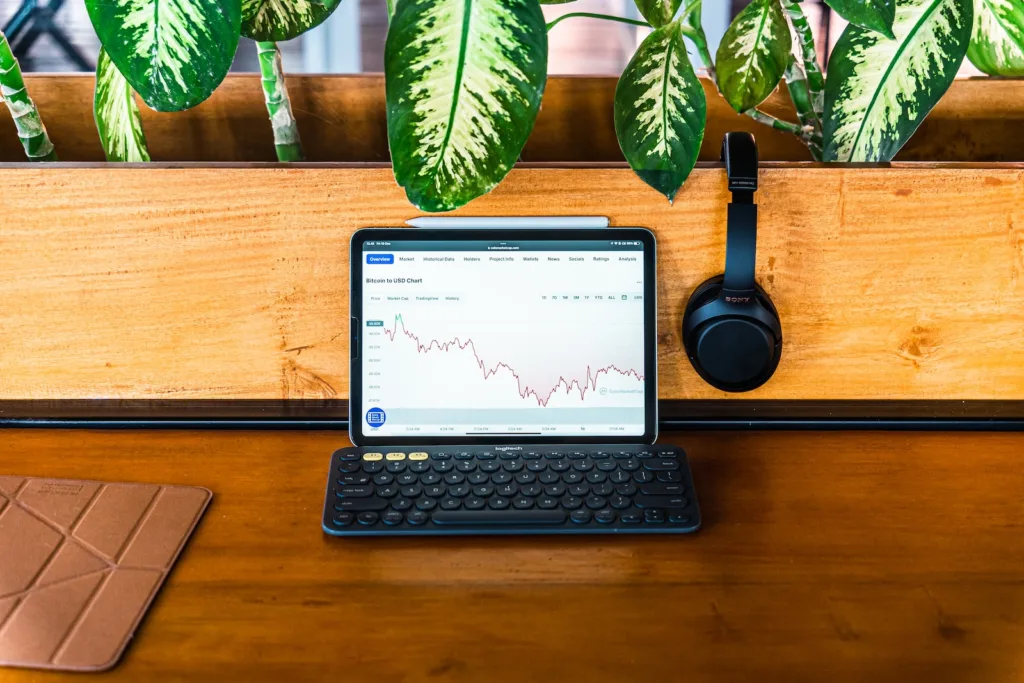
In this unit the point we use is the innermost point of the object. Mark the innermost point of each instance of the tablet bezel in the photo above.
(498, 235)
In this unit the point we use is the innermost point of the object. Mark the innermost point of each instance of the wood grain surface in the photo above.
(824, 557)
(892, 283)
(341, 118)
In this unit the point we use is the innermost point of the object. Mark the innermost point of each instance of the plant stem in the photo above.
(815, 79)
(592, 15)
(796, 82)
(279, 106)
(693, 30)
(26, 117)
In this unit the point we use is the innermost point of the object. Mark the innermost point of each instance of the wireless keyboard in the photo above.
(510, 489)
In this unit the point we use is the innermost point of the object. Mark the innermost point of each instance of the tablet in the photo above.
(462, 336)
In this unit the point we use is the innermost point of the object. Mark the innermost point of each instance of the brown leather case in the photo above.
(80, 563)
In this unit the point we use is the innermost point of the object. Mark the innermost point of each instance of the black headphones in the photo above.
(731, 330)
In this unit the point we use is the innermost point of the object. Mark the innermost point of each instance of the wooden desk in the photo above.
(825, 557)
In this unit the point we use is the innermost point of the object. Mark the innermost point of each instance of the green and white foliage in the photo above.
(753, 54)
(117, 114)
(13, 93)
(277, 20)
(464, 81)
(876, 15)
(660, 111)
(878, 91)
(997, 46)
(174, 53)
(658, 12)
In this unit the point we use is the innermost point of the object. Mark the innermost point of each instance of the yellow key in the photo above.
(395, 456)
(418, 456)
(372, 456)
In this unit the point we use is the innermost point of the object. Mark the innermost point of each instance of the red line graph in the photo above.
(588, 384)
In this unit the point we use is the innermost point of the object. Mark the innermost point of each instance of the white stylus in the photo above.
(509, 222)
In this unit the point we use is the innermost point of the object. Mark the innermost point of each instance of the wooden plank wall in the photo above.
(897, 283)
(341, 118)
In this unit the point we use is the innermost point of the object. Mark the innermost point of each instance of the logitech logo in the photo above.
(508, 448)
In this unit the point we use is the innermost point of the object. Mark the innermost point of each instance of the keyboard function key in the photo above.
(654, 516)
(393, 517)
(361, 504)
(419, 455)
(348, 455)
(662, 489)
(395, 456)
(678, 517)
(373, 457)
(417, 518)
(354, 479)
(343, 519)
(355, 491)
(631, 517)
(605, 516)
(662, 464)
(580, 516)
(368, 518)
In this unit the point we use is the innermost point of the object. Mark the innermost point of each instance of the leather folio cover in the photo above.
(80, 563)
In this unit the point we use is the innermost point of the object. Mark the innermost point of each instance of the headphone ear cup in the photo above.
(733, 348)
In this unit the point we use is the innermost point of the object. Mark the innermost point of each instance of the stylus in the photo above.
(509, 222)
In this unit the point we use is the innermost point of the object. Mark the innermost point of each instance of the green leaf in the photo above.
(174, 53)
(555, 2)
(997, 45)
(660, 111)
(878, 90)
(117, 115)
(464, 80)
(277, 20)
(876, 15)
(753, 54)
(658, 12)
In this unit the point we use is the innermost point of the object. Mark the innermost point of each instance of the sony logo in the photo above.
(737, 299)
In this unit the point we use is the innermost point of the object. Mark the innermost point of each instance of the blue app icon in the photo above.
(375, 417)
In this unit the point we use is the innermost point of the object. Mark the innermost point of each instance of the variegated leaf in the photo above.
(997, 46)
(464, 80)
(277, 20)
(753, 54)
(117, 114)
(660, 111)
(174, 53)
(879, 90)
(876, 15)
(658, 12)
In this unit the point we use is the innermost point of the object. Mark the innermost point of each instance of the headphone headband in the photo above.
(739, 152)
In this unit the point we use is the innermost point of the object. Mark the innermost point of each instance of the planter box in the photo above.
(231, 281)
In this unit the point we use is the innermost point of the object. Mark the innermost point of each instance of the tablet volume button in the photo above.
(354, 346)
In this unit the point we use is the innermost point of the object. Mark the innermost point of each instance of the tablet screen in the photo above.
(523, 338)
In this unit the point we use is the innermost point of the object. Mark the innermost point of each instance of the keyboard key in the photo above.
(667, 454)
(499, 517)
(474, 503)
(396, 467)
(490, 466)
(522, 503)
(580, 516)
(401, 503)
(607, 465)
(486, 456)
(426, 504)
(368, 518)
(525, 477)
(417, 518)
(549, 477)
(579, 489)
(454, 478)
(560, 465)
(583, 465)
(556, 490)
(498, 503)
(380, 479)
(577, 455)
(512, 466)
(660, 501)
(601, 455)
(554, 455)
(643, 476)
(630, 465)
(622, 455)
(596, 477)
(654, 516)
(632, 517)
(572, 477)
(662, 464)
(430, 478)
(669, 476)
(393, 517)
(464, 455)
(343, 518)
(536, 465)
(360, 504)
(418, 456)
(596, 502)
(478, 478)
(509, 455)
(572, 502)
(450, 503)
(620, 502)
(441, 456)
(531, 490)
(605, 516)
(547, 502)
(373, 457)
(678, 517)
(412, 491)
(443, 466)
(459, 490)
(603, 489)
(643, 455)
(483, 491)
(620, 477)
(355, 491)
(407, 478)
(501, 478)
(627, 489)
(356, 479)
(435, 491)
(350, 455)
(662, 489)
(465, 466)
(388, 491)
(531, 456)
(419, 466)
(347, 467)
(395, 456)
(507, 490)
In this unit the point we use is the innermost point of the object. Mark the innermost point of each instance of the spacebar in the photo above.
(497, 517)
